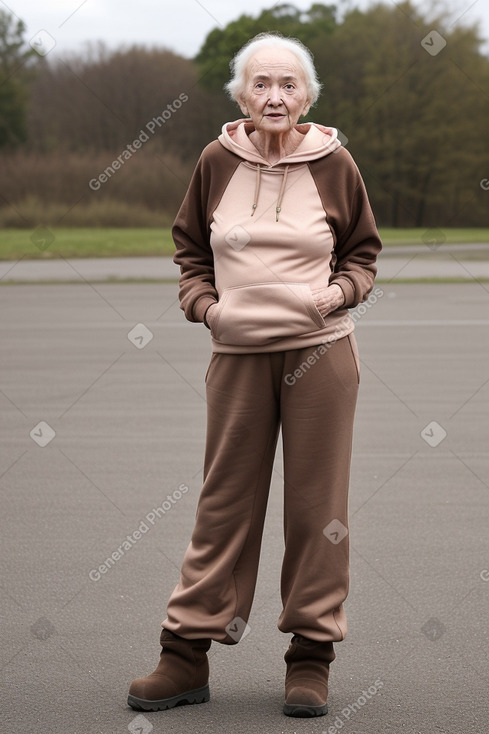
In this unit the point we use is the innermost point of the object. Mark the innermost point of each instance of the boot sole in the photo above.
(304, 712)
(199, 695)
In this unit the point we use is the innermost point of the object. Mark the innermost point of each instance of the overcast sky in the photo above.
(180, 25)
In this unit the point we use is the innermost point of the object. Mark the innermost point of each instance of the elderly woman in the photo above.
(275, 241)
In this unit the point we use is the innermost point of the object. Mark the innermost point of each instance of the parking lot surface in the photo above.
(102, 426)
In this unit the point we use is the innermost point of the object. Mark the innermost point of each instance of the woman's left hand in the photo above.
(328, 299)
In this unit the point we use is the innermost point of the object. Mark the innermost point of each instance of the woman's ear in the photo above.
(306, 109)
(242, 105)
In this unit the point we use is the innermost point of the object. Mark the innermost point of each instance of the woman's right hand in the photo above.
(209, 315)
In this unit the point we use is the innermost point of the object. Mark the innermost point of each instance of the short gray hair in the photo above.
(236, 85)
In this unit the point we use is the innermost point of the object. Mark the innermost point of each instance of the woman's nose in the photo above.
(275, 97)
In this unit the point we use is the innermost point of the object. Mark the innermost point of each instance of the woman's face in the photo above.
(276, 93)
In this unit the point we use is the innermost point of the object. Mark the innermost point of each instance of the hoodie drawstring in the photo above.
(278, 208)
(281, 195)
(257, 189)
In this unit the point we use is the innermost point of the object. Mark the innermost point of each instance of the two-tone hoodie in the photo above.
(259, 238)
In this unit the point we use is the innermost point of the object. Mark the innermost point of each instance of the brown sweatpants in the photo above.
(248, 397)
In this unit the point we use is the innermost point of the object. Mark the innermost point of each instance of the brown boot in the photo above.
(182, 676)
(306, 681)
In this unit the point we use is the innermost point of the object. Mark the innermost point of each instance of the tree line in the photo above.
(82, 135)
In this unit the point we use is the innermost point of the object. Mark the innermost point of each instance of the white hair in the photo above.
(236, 86)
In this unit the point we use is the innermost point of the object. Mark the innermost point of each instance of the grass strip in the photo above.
(45, 244)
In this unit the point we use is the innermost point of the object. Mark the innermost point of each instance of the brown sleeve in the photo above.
(348, 211)
(191, 230)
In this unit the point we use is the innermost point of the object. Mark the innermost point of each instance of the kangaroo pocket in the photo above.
(264, 313)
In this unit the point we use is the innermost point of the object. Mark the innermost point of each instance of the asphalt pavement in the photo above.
(102, 433)
(412, 262)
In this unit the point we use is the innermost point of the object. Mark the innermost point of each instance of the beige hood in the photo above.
(318, 141)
